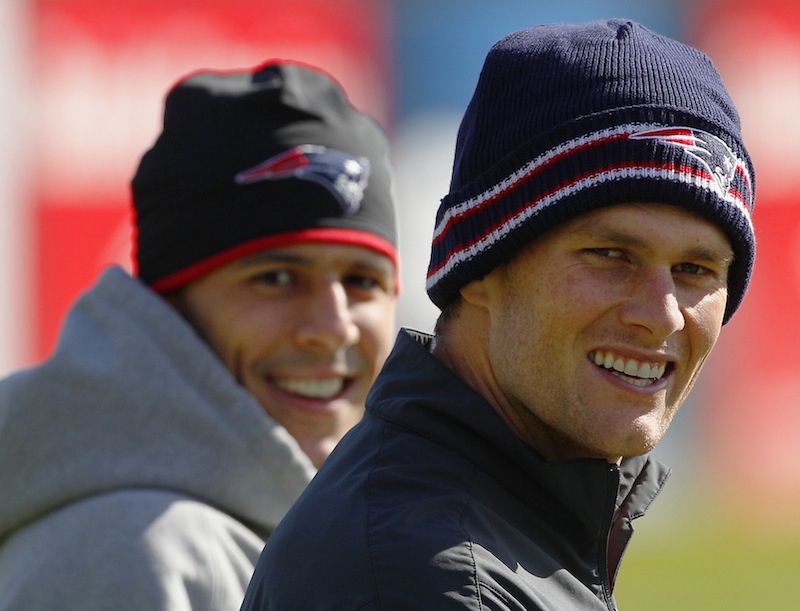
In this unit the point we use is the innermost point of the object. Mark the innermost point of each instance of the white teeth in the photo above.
(314, 389)
(630, 368)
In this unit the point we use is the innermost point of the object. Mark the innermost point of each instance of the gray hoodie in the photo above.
(135, 473)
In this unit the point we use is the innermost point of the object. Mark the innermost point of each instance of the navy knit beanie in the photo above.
(256, 159)
(568, 118)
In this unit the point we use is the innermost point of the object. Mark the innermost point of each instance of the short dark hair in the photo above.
(448, 313)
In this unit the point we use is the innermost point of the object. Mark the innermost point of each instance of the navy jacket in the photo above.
(431, 502)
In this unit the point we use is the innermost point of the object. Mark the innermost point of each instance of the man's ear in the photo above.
(476, 293)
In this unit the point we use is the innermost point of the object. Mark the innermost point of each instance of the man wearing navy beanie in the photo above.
(596, 237)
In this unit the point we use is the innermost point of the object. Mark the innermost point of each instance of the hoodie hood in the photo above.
(133, 398)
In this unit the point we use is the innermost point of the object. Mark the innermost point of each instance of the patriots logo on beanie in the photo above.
(710, 151)
(343, 175)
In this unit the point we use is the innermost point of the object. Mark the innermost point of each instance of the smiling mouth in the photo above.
(637, 373)
(313, 388)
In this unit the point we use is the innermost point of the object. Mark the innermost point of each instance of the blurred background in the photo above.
(81, 89)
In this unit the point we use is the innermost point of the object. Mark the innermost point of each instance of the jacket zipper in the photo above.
(611, 502)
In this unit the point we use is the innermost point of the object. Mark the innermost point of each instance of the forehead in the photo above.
(318, 253)
(672, 225)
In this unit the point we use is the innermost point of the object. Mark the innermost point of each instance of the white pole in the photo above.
(15, 252)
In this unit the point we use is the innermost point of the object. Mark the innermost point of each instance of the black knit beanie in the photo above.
(255, 159)
(568, 118)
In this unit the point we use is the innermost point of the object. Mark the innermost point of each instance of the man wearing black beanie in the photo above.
(185, 408)
(596, 237)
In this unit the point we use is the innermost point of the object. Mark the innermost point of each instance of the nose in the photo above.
(327, 323)
(654, 304)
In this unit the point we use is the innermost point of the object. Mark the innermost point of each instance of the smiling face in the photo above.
(596, 331)
(305, 328)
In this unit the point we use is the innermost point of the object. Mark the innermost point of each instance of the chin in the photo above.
(641, 447)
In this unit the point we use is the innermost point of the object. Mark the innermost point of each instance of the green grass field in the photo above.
(708, 565)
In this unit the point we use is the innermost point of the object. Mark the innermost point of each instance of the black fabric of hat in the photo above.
(253, 159)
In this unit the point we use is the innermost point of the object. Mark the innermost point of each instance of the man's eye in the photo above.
(692, 268)
(609, 253)
(278, 277)
(362, 282)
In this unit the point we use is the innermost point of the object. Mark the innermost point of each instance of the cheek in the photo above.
(377, 325)
(222, 336)
(238, 332)
(706, 319)
(704, 323)
(515, 336)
